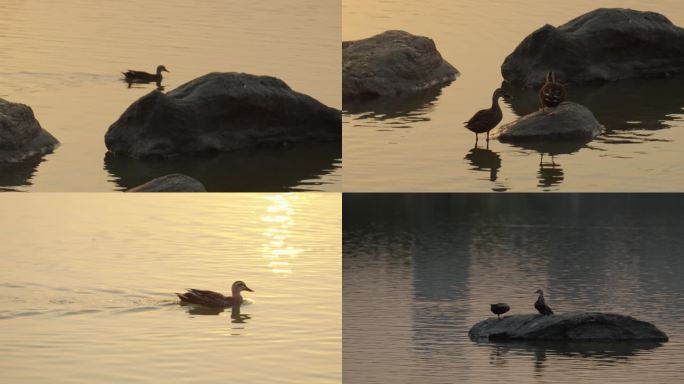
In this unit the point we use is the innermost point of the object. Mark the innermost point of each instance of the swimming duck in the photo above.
(486, 119)
(540, 304)
(551, 93)
(499, 309)
(144, 77)
(214, 299)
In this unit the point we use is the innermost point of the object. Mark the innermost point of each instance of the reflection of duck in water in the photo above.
(540, 304)
(236, 316)
(551, 93)
(485, 120)
(485, 159)
(214, 299)
(499, 309)
(549, 174)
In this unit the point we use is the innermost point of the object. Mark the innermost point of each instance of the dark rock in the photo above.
(606, 44)
(221, 112)
(572, 327)
(21, 135)
(392, 63)
(171, 183)
(568, 121)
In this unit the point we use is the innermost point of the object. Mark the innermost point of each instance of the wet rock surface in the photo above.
(21, 135)
(572, 327)
(171, 183)
(567, 121)
(222, 112)
(606, 44)
(392, 63)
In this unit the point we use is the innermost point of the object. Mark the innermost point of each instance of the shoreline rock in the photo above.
(567, 121)
(171, 183)
(221, 112)
(392, 63)
(21, 135)
(570, 327)
(606, 44)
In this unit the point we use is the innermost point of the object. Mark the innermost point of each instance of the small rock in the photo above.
(567, 121)
(392, 63)
(21, 135)
(606, 44)
(574, 326)
(171, 183)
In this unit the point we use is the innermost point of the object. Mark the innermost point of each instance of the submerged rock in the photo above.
(171, 183)
(392, 63)
(606, 44)
(574, 326)
(567, 121)
(221, 112)
(21, 135)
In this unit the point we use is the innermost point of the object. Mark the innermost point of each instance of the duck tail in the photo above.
(181, 296)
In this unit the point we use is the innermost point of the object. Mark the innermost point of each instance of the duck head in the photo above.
(238, 287)
(539, 291)
(161, 69)
(499, 92)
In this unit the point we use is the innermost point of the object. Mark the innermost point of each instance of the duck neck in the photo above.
(159, 71)
(237, 297)
(495, 102)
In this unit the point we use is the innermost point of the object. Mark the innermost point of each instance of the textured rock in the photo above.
(568, 121)
(574, 326)
(171, 183)
(392, 63)
(221, 112)
(602, 45)
(21, 135)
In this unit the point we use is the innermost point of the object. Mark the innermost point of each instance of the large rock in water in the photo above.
(604, 45)
(21, 135)
(221, 112)
(567, 121)
(574, 326)
(392, 63)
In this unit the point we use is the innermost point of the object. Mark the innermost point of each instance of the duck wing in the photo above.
(483, 120)
(130, 74)
(206, 298)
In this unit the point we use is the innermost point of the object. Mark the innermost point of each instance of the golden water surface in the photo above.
(87, 286)
(64, 57)
(420, 144)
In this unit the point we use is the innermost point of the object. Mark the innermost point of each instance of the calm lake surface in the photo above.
(419, 271)
(67, 69)
(87, 286)
(420, 144)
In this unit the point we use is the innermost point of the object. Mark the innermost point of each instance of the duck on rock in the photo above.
(486, 119)
(540, 304)
(499, 309)
(144, 77)
(551, 93)
(214, 299)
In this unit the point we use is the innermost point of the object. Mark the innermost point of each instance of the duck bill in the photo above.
(248, 289)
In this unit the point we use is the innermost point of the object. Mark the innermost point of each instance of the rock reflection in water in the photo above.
(280, 169)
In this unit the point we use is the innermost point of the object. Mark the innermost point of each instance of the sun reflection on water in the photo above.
(279, 218)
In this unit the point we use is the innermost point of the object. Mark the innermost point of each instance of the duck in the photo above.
(144, 77)
(214, 299)
(499, 309)
(486, 119)
(551, 93)
(540, 304)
